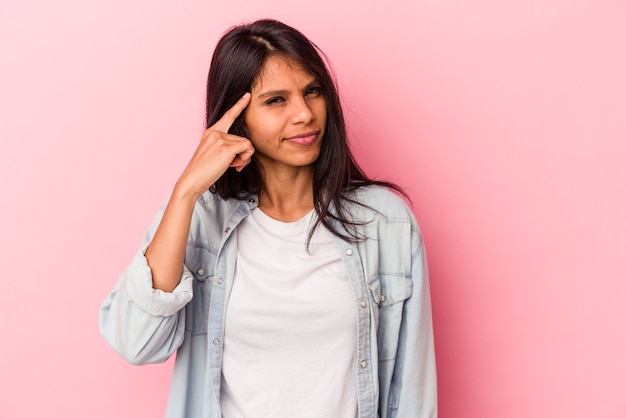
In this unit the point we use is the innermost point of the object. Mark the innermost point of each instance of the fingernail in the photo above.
(246, 95)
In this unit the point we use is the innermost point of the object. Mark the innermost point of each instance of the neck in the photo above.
(287, 195)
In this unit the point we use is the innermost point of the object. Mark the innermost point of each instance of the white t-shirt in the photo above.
(290, 331)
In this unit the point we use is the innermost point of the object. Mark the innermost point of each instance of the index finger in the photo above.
(226, 121)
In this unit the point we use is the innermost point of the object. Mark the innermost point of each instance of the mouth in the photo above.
(305, 138)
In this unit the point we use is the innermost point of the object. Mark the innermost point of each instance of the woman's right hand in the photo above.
(218, 150)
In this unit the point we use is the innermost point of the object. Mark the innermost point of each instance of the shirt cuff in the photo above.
(154, 301)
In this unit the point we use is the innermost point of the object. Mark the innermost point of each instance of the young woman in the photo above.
(288, 283)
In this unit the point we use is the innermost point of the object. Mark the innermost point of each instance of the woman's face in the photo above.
(286, 116)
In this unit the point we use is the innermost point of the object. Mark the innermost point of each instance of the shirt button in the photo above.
(227, 229)
(201, 272)
(349, 251)
(251, 200)
(382, 298)
(363, 364)
(363, 304)
(216, 341)
(220, 281)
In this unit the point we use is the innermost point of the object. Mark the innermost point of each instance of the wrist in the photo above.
(184, 192)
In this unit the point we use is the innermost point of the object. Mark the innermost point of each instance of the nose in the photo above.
(302, 112)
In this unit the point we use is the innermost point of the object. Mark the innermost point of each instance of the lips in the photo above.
(304, 138)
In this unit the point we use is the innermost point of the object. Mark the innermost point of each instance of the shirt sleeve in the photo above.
(414, 376)
(143, 324)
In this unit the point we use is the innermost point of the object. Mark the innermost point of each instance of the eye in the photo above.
(275, 100)
(313, 91)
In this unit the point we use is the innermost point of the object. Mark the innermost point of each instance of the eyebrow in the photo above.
(271, 93)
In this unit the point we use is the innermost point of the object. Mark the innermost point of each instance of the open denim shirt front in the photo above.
(388, 272)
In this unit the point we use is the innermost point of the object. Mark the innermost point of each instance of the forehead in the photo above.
(282, 72)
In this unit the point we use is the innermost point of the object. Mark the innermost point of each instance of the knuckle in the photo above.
(213, 135)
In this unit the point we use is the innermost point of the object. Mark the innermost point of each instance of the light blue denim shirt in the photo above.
(395, 352)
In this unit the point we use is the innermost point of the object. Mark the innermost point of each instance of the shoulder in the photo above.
(210, 207)
(382, 201)
(386, 220)
(217, 205)
(213, 214)
(210, 198)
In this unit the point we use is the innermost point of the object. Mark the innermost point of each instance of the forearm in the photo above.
(166, 252)
(142, 324)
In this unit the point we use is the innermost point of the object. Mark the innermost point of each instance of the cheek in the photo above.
(267, 126)
(254, 128)
(323, 112)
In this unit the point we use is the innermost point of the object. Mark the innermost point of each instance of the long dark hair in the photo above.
(236, 62)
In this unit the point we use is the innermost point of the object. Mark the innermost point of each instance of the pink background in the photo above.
(505, 120)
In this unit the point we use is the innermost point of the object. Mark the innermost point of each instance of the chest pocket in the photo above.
(388, 292)
(387, 289)
(201, 263)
